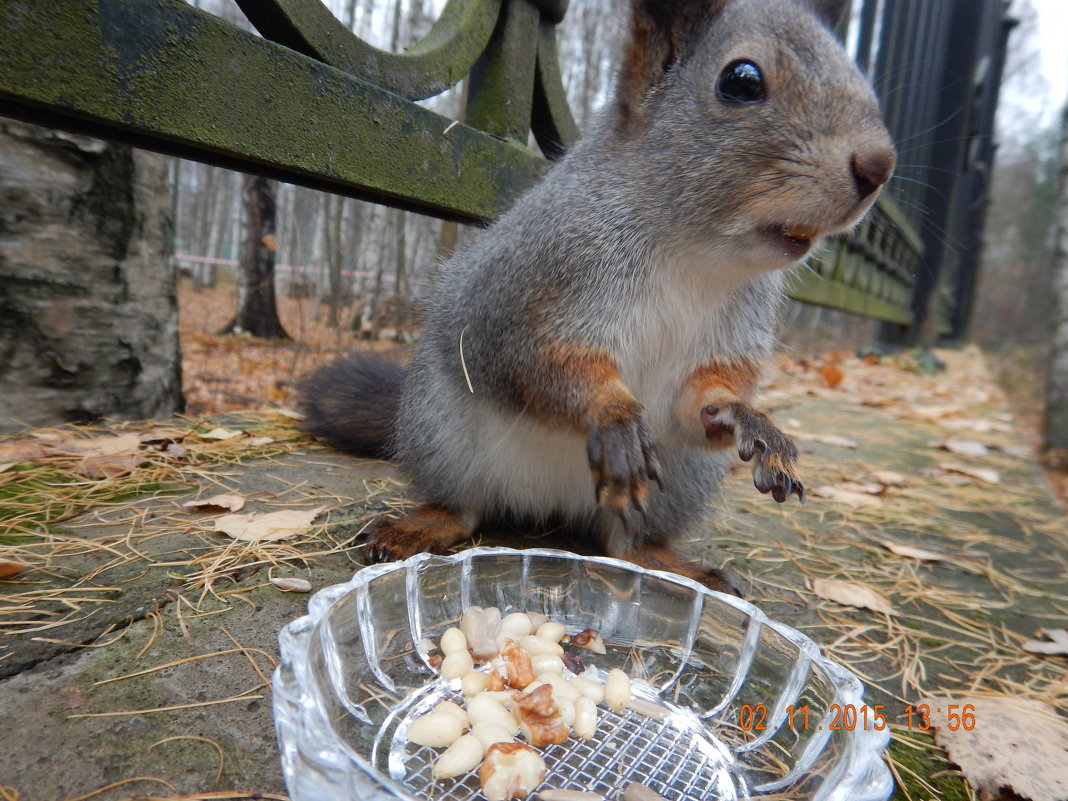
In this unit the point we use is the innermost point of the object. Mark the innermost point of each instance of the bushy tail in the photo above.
(351, 405)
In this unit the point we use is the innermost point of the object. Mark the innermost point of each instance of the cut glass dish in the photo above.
(732, 705)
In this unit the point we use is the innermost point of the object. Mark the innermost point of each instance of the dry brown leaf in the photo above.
(75, 699)
(979, 426)
(1016, 743)
(936, 412)
(217, 503)
(982, 473)
(889, 478)
(846, 496)
(1056, 645)
(826, 439)
(121, 444)
(29, 450)
(964, 447)
(109, 466)
(831, 375)
(912, 552)
(292, 584)
(270, 527)
(863, 487)
(220, 433)
(849, 594)
(9, 567)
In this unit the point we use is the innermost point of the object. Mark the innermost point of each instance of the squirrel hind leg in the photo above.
(427, 528)
(622, 541)
(660, 557)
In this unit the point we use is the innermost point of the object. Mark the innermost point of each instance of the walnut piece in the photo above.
(510, 770)
(539, 717)
(517, 665)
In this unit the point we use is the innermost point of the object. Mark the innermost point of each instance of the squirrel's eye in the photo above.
(741, 82)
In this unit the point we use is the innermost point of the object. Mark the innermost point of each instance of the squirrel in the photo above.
(607, 333)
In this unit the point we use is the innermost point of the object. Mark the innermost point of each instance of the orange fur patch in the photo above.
(583, 388)
(717, 383)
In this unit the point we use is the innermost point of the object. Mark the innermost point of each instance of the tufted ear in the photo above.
(661, 32)
(831, 12)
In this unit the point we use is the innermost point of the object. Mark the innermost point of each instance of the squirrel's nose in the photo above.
(872, 168)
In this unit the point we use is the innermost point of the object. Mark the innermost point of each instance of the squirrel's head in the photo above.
(770, 135)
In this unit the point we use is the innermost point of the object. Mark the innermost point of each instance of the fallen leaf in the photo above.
(50, 436)
(290, 413)
(1015, 743)
(174, 451)
(270, 527)
(847, 594)
(912, 552)
(220, 433)
(979, 426)
(109, 445)
(29, 450)
(75, 699)
(110, 466)
(1056, 646)
(936, 412)
(217, 503)
(255, 442)
(889, 478)
(292, 584)
(848, 497)
(964, 447)
(5, 466)
(982, 473)
(1022, 451)
(863, 487)
(165, 442)
(831, 375)
(159, 436)
(9, 567)
(826, 439)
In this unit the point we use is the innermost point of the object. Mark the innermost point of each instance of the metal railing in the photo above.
(312, 104)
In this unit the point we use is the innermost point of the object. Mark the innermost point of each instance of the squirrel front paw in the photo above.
(623, 460)
(774, 454)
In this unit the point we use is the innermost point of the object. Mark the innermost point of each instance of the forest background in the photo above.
(349, 274)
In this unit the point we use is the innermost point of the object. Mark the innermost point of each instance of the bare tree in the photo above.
(257, 310)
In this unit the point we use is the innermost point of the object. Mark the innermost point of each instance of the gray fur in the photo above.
(641, 242)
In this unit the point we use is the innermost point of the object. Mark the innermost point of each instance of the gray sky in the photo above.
(1053, 35)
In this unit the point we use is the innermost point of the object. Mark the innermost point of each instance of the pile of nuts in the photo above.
(526, 688)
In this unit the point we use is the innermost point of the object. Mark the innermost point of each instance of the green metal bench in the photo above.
(312, 104)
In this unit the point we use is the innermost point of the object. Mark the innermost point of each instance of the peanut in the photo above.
(452, 640)
(435, 729)
(460, 757)
(456, 665)
(617, 689)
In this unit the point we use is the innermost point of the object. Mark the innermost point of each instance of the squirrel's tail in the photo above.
(351, 405)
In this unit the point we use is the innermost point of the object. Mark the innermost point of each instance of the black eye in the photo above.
(741, 82)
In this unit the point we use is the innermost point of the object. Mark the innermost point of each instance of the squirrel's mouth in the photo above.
(794, 241)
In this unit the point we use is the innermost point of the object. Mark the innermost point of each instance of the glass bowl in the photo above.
(732, 705)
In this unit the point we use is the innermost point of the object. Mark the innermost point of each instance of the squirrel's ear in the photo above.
(660, 31)
(832, 12)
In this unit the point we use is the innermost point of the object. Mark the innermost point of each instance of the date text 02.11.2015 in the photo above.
(847, 717)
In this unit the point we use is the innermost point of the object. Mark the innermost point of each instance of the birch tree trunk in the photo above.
(1056, 427)
(88, 301)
